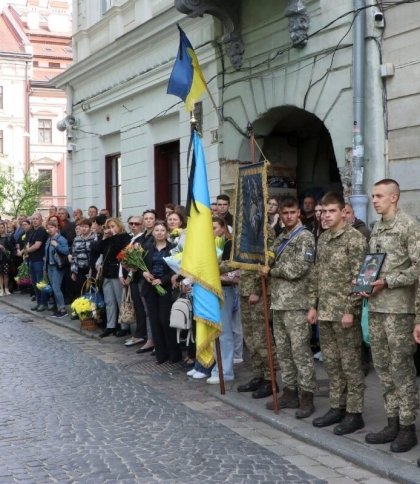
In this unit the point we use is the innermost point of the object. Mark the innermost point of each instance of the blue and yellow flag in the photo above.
(199, 259)
(186, 80)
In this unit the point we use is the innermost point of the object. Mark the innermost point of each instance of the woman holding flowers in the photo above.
(113, 241)
(158, 276)
(176, 226)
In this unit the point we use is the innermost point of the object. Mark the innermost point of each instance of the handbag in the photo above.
(181, 318)
(61, 260)
(127, 313)
(364, 322)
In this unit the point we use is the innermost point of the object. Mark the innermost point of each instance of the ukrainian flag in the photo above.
(187, 80)
(199, 259)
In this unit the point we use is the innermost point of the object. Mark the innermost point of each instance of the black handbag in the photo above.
(62, 261)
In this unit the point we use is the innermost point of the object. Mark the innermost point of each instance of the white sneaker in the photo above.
(213, 380)
(237, 361)
(191, 372)
(1, 292)
(318, 356)
(199, 376)
(6, 292)
(134, 341)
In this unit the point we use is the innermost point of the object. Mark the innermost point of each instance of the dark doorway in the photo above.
(113, 184)
(167, 177)
(301, 153)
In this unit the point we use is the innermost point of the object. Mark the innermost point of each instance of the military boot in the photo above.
(306, 406)
(350, 423)
(288, 399)
(333, 416)
(264, 390)
(406, 439)
(387, 434)
(251, 386)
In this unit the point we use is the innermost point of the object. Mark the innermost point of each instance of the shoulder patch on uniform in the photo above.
(309, 255)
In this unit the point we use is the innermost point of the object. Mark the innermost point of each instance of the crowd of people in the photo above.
(315, 254)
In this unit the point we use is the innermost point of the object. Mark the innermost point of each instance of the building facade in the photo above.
(37, 49)
(284, 68)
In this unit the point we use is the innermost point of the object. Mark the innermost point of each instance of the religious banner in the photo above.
(250, 228)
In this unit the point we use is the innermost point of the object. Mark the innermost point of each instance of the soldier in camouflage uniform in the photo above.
(416, 331)
(293, 252)
(391, 316)
(340, 253)
(253, 324)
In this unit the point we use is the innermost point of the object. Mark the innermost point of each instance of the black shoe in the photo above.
(59, 314)
(406, 439)
(74, 317)
(107, 332)
(264, 390)
(350, 423)
(333, 416)
(122, 332)
(387, 434)
(145, 350)
(251, 386)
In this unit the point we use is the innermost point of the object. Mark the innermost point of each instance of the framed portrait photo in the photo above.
(369, 272)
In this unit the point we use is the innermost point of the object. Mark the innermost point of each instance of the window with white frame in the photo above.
(44, 131)
(45, 176)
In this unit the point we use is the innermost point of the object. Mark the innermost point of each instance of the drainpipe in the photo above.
(359, 199)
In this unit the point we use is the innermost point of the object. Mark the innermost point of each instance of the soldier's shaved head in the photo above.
(393, 185)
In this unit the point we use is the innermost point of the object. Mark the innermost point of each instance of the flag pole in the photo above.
(219, 114)
(252, 142)
(220, 367)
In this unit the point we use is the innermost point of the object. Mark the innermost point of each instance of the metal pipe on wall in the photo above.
(359, 199)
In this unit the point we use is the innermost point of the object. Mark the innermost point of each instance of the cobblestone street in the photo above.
(77, 410)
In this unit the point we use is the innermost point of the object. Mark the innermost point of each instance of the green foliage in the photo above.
(21, 196)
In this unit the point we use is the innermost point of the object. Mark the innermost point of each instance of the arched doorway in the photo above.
(300, 150)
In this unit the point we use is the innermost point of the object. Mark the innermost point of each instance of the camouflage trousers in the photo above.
(292, 334)
(253, 325)
(341, 349)
(393, 348)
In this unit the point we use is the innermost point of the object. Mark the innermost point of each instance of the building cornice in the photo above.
(229, 13)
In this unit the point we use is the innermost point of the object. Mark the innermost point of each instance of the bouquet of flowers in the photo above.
(84, 308)
(132, 257)
(22, 278)
(44, 286)
(175, 234)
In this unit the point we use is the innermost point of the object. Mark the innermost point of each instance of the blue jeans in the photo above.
(55, 276)
(36, 271)
(226, 338)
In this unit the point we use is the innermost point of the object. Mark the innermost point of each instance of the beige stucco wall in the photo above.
(401, 39)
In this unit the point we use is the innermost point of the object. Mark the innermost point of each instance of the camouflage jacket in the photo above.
(338, 259)
(400, 240)
(290, 270)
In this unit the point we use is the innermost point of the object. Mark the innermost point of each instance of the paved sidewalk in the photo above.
(352, 448)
